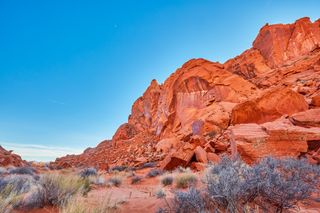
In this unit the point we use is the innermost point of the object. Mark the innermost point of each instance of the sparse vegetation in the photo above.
(87, 172)
(154, 173)
(118, 169)
(167, 180)
(190, 201)
(136, 179)
(148, 165)
(185, 179)
(22, 171)
(115, 181)
(160, 193)
(3, 171)
(76, 205)
(272, 185)
(60, 188)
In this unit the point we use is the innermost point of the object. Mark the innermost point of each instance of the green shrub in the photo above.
(167, 180)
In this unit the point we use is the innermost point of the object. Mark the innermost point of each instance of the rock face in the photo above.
(255, 104)
(7, 158)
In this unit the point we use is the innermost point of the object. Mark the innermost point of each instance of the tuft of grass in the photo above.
(60, 188)
(115, 181)
(154, 173)
(136, 179)
(185, 179)
(76, 205)
(167, 180)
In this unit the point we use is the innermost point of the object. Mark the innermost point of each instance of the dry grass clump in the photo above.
(77, 205)
(60, 188)
(154, 172)
(166, 179)
(136, 179)
(22, 171)
(115, 180)
(185, 179)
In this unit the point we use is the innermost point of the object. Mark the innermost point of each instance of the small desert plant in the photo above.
(167, 180)
(115, 181)
(185, 179)
(60, 188)
(160, 193)
(118, 169)
(22, 171)
(148, 165)
(154, 173)
(136, 179)
(191, 201)
(87, 172)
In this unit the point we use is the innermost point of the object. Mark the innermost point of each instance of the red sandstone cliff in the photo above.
(263, 102)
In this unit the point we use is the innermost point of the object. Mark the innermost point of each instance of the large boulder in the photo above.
(270, 106)
(278, 138)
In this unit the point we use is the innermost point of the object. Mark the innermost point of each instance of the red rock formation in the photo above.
(198, 104)
(7, 158)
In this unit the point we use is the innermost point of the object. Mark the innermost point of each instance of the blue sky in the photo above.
(70, 70)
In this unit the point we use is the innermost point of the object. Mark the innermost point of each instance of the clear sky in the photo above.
(70, 70)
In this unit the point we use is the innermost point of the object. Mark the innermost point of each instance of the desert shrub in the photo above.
(148, 165)
(23, 171)
(185, 179)
(167, 180)
(191, 201)
(160, 193)
(154, 173)
(118, 169)
(115, 181)
(229, 184)
(284, 183)
(60, 188)
(136, 179)
(87, 172)
(21, 191)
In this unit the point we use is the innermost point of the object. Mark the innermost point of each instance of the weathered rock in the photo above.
(166, 144)
(125, 131)
(213, 158)
(201, 155)
(278, 138)
(309, 118)
(181, 157)
(316, 101)
(270, 106)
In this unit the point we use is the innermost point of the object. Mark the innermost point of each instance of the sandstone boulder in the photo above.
(270, 106)
(201, 155)
(278, 138)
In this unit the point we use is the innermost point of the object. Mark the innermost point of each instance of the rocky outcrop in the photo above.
(8, 158)
(269, 106)
(256, 104)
